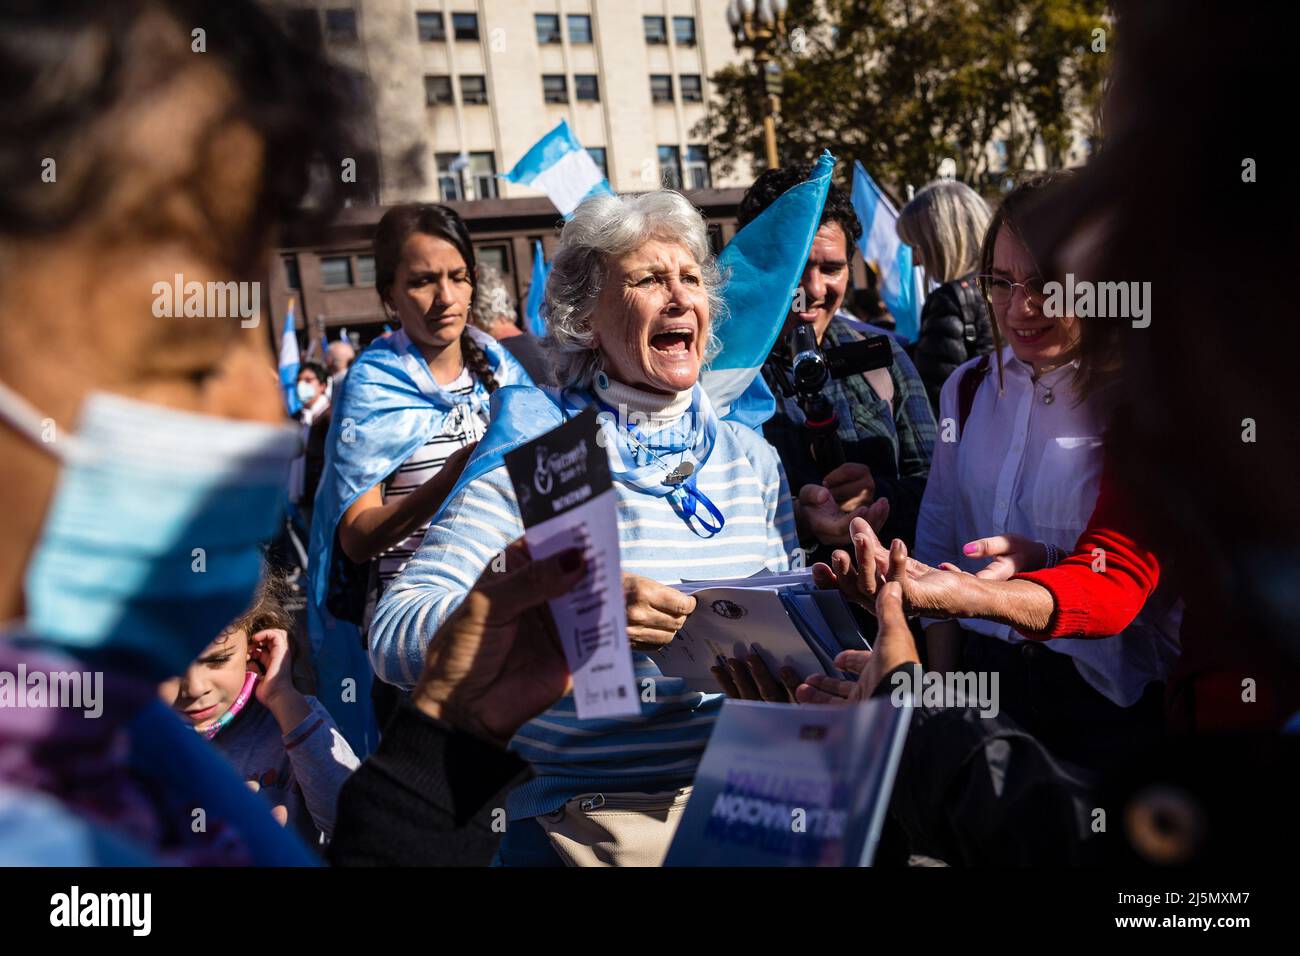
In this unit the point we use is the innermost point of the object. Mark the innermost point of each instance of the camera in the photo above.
(812, 368)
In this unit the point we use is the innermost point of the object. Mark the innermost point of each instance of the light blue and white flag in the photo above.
(537, 291)
(559, 166)
(893, 257)
(289, 361)
(762, 267)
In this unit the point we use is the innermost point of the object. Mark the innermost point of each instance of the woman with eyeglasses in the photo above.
(1016, 478)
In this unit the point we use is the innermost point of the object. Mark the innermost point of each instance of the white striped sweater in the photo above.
(658, 750)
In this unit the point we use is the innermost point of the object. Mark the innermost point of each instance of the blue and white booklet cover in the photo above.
(789, 785)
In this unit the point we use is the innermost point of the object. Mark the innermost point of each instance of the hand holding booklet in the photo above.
(792, 623)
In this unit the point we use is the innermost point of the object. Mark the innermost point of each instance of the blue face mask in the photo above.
(151, 545)
(306, 392)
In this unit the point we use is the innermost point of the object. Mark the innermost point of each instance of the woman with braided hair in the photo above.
(412, 408)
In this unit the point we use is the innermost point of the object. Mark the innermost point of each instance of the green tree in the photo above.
(902, 84)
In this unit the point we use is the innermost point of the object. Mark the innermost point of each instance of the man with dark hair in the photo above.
(885, 424)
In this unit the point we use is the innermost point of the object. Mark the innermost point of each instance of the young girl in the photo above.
(238, 693)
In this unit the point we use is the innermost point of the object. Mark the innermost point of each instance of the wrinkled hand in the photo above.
(1011, 554)
(496, 663)
(817, 511)
(851, 485)
(894, 646)
(655, 612)
(750, 679)
(945, 591)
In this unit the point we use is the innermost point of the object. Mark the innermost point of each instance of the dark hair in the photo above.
(316, 369)
(769, 187)
(1168, 200)
(1095, 342)
(69, 72)
(400, 223)
(268, 609)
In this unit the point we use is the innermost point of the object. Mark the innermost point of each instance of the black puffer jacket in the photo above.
(954, 327)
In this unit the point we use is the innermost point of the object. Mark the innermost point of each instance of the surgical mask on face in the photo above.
(152, 542)
(306, 392)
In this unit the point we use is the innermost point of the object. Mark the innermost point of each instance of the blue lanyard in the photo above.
(685, 496)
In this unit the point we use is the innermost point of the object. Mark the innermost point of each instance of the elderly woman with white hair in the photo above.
(630, 305)
(944, 224)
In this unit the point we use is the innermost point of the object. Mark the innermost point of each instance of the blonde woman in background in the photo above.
(944, 224)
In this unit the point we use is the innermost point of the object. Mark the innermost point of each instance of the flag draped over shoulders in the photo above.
(389, 406)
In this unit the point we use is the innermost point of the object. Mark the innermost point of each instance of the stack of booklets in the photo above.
(792, 622)
(782, 784)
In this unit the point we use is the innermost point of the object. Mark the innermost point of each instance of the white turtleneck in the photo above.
(654, 411)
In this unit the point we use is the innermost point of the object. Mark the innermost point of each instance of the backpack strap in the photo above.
(966, 389)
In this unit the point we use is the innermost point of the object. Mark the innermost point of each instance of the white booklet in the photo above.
(566, 499)
(792, 623)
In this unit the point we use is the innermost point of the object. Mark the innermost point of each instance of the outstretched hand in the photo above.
(945, 591)
(894, 646)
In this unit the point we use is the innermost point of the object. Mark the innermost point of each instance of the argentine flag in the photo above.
(289, 361)
(761, 268)
(880, 244)
(559, 166)
(537, 291)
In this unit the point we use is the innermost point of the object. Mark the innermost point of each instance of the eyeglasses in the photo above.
(1000, 289)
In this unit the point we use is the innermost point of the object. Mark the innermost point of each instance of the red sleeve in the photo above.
(1099, 603)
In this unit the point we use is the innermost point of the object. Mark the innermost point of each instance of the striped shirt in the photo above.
(660, 749)
(462, 426)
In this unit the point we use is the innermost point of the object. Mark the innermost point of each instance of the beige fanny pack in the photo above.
(616, 829)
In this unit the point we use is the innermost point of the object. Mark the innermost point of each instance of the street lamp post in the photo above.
(758, 26)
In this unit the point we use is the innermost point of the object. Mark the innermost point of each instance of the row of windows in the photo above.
(548, 28)
(477, 171)
(431, 25)
(555, 89)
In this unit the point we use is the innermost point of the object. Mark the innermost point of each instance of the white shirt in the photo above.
(1030, 468)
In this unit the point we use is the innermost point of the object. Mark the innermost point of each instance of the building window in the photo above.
(482, 173)
(291, 277)
(365, 270)
(692, 91)
(465, 26)
(430, 25)
(437, 91)
(555, 88)
(548, 27)
(341, 25)
(597, 154)
(449, 185)
(579, 28)
(697, 168)
(684, 31)
(586, 88)
(661, 88)
(670, 167)
(336, 272)
(473, 90)
(656, 30)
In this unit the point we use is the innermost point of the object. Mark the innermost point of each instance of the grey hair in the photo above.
(946, 220)
(491, 299)
(602, 228)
